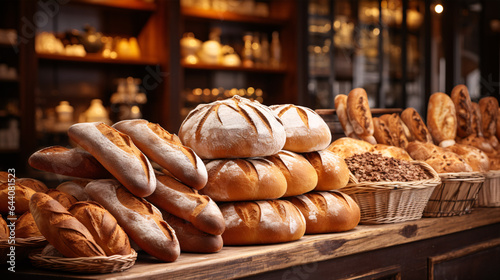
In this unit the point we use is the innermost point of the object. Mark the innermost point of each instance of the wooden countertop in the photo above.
(240, 261)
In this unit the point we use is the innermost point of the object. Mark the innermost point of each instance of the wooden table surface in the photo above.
(240, 261)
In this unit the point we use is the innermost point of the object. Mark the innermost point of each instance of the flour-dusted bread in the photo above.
(233, 128)
(442, 119)
(76, 188)
(416, 125)
(306, 131)
(332, 170)
(463, 108)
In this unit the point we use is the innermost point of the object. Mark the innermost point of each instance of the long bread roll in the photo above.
(416, 125)
(341, 111)
(489, 111)
(360, 116)
(442, 119)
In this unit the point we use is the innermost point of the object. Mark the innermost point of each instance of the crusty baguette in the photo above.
(186, 203)
(118, 154)
(103, 227)
(138, 218)
(166, 150)
(76, 188)
(463, 108)
(33, 184)
(341, 111)
(65, 199)
(382, 133)
(360, 116)
(26, 226)
(442, 119)
(416, 125)
(489, 111)
(477, 121)
(74, 162)
(61, 229)
(21, 198)
(398, 135)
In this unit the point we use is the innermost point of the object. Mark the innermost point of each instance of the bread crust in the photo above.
(26, 226)
(382, 133)
(33, 184)
(341, 112)
(65, 199)
(332, 170)
(416, 125)
(75, 188)
(397, 132)
(476, 158)
(477, 128)
(346, 147)
(4, 229)
(22, 198)
(463, 108)
(442, 119)
(489, 111)
(359, 113)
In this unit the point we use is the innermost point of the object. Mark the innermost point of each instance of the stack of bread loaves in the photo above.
(252, 155)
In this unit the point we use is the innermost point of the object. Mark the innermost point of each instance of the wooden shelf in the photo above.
(120, 4)
(195, 13)
(97, 58)
(263, 70)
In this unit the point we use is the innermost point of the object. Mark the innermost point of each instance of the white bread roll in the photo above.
(332, 170)
(306, 131)
(442, 119)
(233, 128)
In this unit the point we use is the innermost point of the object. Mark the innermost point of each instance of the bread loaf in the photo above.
(74, 162)
(442, 119)
(75, 188)
(327, 212)
(476, 121)
(262, 222)
(392, 151)
(233, 128)
(332, 170)
(4, 229)
(21, 198)
(416, 125)
(489, 111)
(61, 229)
(301, 176)
(479, 142)
(476, 158)
(463, 108)
(448, 162)
(65, 199)
(6, 176)
(186, 203)
(398, 135)
(138, 218)
(422, 150)
(382, 133)
(360, 116)
(34, 184)
(166, 150)
(346, 147)
(341, 112)
(103, 227)
(191, 239)
(306, 131)
(244, 179)
(26, 226)
(498, 125)
(118, 154)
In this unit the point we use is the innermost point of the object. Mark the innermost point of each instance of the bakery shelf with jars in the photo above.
(245, 48)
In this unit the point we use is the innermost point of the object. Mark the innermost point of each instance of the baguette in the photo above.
(118, 154)
(76, 188)
(33, 184)
(103, 227)
(26, 226)
(477, 128)
(138, 218)
(393, 121)
(489, 110)
(74, 162)
(65, 199)
(416, 125)
(166, 150)
(360, 116)
(463, 108)
(186, 203)
(442, 119)
(382, 133)
(70, 237)
(341, 111)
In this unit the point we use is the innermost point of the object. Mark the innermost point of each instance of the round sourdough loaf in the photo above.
(233, 128)
(327, 211)
(301, 177)
(332, 170)
(306, 131)
(262, 222)
(244, 179)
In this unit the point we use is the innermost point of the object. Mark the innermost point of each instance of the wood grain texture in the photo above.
(241, 261)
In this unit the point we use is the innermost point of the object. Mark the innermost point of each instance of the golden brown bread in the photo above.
(346, 147)
(332, 170)
(360, 116)
(416, 125)
(21, 196)
(306, 131)
(498, 125)
(326, 212)
(103, 227)
(244, 179)
(382, 133)
(65, 199)
(392, 151)
(61, 229)
(74, 162)
(26, 226)
(75, 188)
(398, 136)
(118, 154)
(448, 162)
(479, 142)
(442, 119)
(476, 121)
(341, 112)
(476, 158)
(233, 128)
(422, 150)
(166, 150)
(262, 222)
(186, 203)
(463, 108)
(142, 222)
(301, 176)
(5, 176)
(4, 229)
(33, 184)
(489, 111)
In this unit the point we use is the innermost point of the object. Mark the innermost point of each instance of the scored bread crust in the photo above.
(416, 125)
(382, 133)
(233, 128)
(65, 199)
(442, 119)
(397, 132)
(341, 112)
(4, 229)
(463, 108)
(359, 113)
(166, 150)
(476, 158)
(346, 147)
(477, 126)
(26, 226)
(76, 188)
(489, 111)
(332, 170)
(21, 198)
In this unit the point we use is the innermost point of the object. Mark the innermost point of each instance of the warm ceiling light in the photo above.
(439, 8)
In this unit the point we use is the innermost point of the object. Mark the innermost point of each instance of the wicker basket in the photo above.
(489, 195)
(392, 202)
(23, 247)
(456, 195)
(107, 264)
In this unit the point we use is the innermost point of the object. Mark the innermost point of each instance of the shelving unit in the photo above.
(97, 58)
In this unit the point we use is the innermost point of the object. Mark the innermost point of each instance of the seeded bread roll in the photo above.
(233, 128)
(442, 119)
(301, 176)
(489, 110)
(22, 196)
(4, 229)
(416, 125)
(262, 222)
(360, 116)
(65, 199)
(244, 179)
(341, 111)
(69, 236)
(382, 133)
(463, 108)
(103, 227)
(33, 184)
(26, 226)
(327, 212)
(448, 162)
(479, 142)
(166, 150)
(75, 188)
(74, 162)
(118, 154)
(332, 170)
(476, 158)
